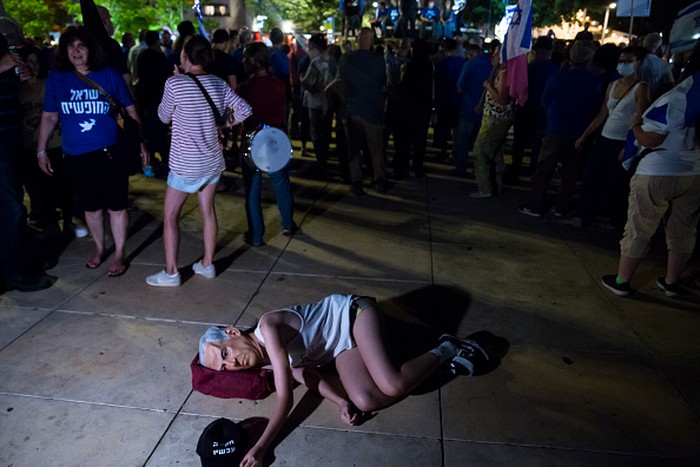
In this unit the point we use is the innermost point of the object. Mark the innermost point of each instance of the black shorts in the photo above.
(99, 180)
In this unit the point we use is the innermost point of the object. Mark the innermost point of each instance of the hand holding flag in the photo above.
(516, 45)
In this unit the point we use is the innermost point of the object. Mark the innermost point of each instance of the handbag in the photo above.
(222, 121)
(128, 130)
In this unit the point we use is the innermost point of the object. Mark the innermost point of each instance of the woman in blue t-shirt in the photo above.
(89, 135)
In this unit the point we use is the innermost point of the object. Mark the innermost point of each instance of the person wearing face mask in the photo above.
(604, 177)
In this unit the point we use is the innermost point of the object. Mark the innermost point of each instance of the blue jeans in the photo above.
(467, 131)
(252, 180)
(12, 213)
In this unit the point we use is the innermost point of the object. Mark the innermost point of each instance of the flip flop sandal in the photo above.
(92, 265)
(117, 272)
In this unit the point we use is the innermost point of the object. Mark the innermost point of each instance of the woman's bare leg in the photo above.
(208, 211)
(95, 222)
(367, 372)
(119, 223)
(172, 205)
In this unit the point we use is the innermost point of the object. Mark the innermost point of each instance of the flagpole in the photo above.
(631, 22)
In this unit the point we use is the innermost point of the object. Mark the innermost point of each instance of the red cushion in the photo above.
(255, 383)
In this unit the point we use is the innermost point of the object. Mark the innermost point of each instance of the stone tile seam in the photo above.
(568, 449)
(143, 318)
(364, 278)
(83, 402)
(323, 428)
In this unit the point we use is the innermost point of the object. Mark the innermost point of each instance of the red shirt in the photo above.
(267, 96)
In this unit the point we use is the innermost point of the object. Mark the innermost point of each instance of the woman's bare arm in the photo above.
(319, 382)
(279, 358)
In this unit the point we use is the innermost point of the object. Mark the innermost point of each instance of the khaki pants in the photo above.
(488, 153)
(673, 199)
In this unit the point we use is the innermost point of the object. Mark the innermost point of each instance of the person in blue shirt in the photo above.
(447, 72)
(89, 135)
(470, 88)
(530, 119)
(572, 98)
(429, 15)
(445, 25)
(392, 21)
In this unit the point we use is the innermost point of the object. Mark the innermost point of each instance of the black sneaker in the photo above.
(380, 186)
(248, 238)
(289, 232)
(471, 357)
(672, 290)
(610, 283)
(356, 189)
(528, 211)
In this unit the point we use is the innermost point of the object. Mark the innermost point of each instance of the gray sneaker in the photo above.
(208, 272)
(163, 279)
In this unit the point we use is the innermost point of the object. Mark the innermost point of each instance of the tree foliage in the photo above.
(544, 12)
(134, 15)
(37, 17)
(306, 15)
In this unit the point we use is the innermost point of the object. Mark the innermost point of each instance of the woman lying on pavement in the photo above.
(340, 328)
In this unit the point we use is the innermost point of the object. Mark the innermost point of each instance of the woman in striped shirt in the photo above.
(196, 158)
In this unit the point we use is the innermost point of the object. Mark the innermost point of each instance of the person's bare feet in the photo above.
(349, 413)
(117, 268)
(95, 261)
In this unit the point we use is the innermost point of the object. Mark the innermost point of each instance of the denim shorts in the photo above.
(191, 185)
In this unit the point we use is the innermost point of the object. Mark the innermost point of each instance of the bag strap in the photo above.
(625, 94)
(217, 115)
(112, 103)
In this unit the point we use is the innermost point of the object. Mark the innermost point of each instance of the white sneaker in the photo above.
(163, 279)
(208, 272)
(80, 232)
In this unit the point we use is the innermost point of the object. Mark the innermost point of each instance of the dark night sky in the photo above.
(663, 13)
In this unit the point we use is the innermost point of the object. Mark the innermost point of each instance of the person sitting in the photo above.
(344, 329)
(429, 15)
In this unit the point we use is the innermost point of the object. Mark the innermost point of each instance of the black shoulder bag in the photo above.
(128, 131)
(222, 121)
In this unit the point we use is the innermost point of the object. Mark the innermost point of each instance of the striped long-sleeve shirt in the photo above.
(195, 150)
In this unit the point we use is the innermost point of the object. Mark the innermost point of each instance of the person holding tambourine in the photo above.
(267, 97)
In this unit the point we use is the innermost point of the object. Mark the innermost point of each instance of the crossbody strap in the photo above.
(624, 95)
(217, 115)
(112, 103)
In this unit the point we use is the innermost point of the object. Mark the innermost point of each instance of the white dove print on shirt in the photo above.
(87, 125)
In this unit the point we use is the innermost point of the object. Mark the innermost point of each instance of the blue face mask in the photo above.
(625, 69)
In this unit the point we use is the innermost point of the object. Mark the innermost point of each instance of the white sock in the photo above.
(445, 351)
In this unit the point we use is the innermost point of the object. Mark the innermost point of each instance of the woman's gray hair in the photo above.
(213, 334)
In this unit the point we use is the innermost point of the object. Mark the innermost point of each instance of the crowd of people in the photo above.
(586, 103)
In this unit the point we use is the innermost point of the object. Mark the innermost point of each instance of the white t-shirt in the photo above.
(674, 114)
(324, 333)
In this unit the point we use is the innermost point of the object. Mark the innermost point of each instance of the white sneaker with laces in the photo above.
(208, 272)
(163, 279)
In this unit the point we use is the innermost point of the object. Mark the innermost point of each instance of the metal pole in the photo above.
(605, 24)
(631, 22)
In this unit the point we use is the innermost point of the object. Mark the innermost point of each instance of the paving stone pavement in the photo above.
(94, 371)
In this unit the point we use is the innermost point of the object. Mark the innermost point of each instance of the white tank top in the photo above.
(324, 332)
(620, 113)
